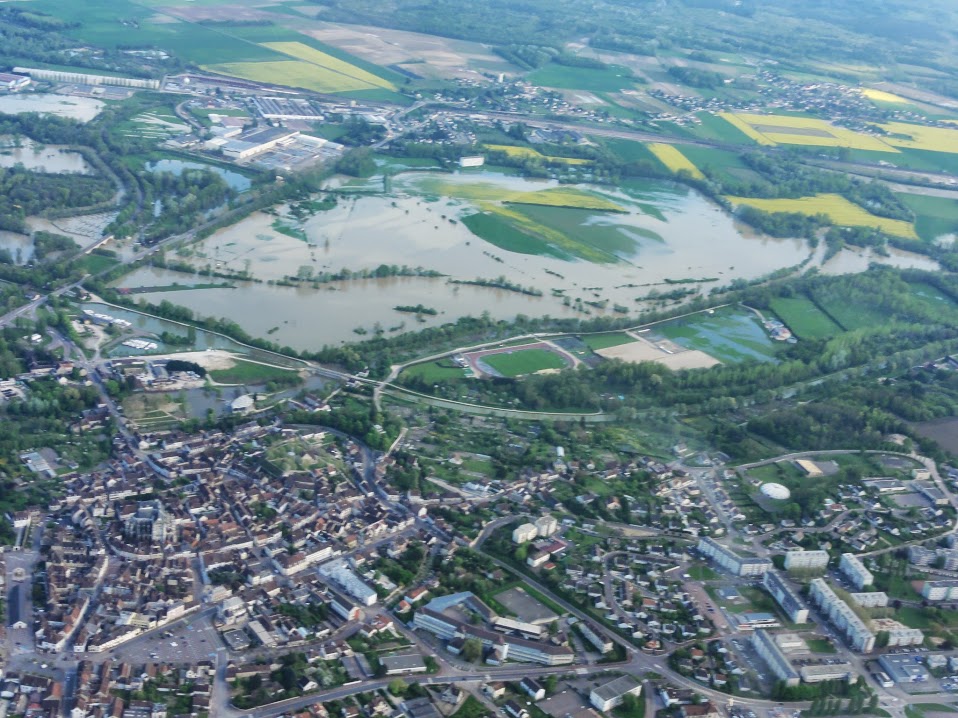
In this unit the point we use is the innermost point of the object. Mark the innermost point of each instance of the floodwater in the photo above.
(239, 182)
(43, 158)
(83, 109)
(667, 232)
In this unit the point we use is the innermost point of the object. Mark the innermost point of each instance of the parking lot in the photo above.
(187, 641)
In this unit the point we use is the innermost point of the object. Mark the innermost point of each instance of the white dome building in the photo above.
(776, 491)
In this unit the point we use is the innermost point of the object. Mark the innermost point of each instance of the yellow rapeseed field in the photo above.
(514, 151)
(882, 96)
(840, 210)
(332, 65)
(674, 159)
(746, 128)
(809, 131)
(919, 137)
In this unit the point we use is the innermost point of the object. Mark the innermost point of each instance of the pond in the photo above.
(237, 181)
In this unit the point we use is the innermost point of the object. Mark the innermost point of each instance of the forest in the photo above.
(25, 193)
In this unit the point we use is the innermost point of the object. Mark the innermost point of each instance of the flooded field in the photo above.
(42, 158)
(598, 256)
(82, 109)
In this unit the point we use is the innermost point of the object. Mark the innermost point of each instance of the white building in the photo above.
(859, 637)
(523, 533)
(940, 590)
(805, 560)
(731, 561)
(855, 571)
(791, 603)
(898, 634)
(546, 525)
(609, 695)
(769, 651)
(474, 161)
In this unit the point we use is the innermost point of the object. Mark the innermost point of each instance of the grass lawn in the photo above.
(524, 361)
(913, 617)
(604, 341)
(244, 372)
(820, 645)
(96, 263)
(472, 708)
(637, 709)
(436, 371)
(933, 297)
(703, 573)
(805, 319)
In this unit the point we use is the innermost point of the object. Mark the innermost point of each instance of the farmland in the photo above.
(524, 361)
(563, 77)
(675, 160)
(934, 216)
(839, 210)
(804, 319)
(529, 153)
(882, 96)
(332, 65)
(770, 130)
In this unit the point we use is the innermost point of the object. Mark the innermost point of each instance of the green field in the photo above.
(933, 297)
(503, 234)
(244, 372)
(934, 216)
(629, 150)
(604, 341)
(851, 315)
(727, 165)
(702, 573)
(730, 335)
(436, 371)
(563, 77)
(804, 319)
(524, 361)
(717, 129)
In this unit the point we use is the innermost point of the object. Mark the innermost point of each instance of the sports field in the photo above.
(518, 362)
(804, 319)
(675, 160)
(839, 210)
(604, 341)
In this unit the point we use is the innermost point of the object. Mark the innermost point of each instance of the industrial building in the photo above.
(731, 561)
(859, 637)
(829, 671)
(79, 78)
(790, 602)
(609, 695)
(13, 83)
(775, 659)
(797, 560)
(940, 590)
(855, 571)
(257, 141)
(902, 668)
